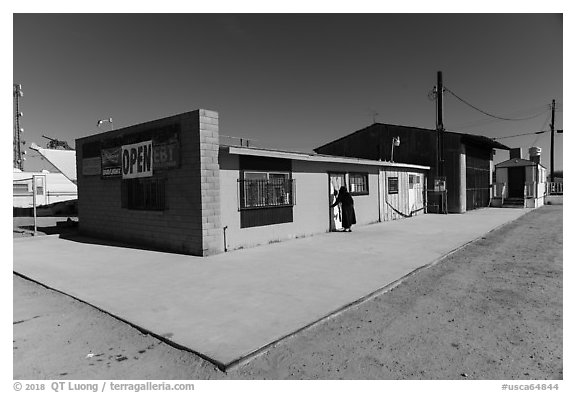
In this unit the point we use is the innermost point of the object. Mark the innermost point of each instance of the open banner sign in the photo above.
(137, 160)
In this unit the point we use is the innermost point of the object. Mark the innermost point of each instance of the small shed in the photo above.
(520, 182)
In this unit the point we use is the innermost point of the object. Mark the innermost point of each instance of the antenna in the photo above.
(55, 143)
(102, 121)
(18, 153)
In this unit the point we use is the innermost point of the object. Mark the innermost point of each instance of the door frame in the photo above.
(332, 224)
(519, 183)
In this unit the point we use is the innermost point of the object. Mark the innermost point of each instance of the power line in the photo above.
(543, 128)
(491, 115)
(514, 136)
(534, 142)
(485, 121)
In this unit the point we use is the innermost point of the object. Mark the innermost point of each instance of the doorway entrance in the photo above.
(336, 180)
(516, 181)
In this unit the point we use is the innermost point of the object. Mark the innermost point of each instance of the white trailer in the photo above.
(51, 188)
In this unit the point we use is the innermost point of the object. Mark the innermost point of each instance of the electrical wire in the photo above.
(539, 133)
(490, 115)
(485, 121)
(514, 136)
(535, 140)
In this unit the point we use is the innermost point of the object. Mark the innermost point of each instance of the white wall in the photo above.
(311, 214)
(502, 175)
(397, 206)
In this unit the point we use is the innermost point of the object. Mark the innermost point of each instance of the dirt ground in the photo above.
(493, 310)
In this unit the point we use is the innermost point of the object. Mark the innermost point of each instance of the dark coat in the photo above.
(348, 213)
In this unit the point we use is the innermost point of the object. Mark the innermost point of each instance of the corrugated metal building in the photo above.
(468, 159)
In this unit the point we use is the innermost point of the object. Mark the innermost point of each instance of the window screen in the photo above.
(358, 183)
(393, 185)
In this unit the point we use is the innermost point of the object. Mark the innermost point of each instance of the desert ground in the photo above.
(492, 310)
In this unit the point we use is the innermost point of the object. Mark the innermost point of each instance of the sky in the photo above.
(290, 81)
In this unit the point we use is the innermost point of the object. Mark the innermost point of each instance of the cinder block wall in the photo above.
(191, 222)
(212, 231)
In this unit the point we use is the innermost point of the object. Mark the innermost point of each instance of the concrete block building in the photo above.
(155, 184)
(170, 184)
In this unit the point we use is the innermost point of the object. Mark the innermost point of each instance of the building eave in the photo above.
(250, 151)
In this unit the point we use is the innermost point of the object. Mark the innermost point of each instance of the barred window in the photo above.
(144, 194)
(358, 183)
(266, 189)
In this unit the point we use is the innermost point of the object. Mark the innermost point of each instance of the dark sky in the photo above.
(289, 81)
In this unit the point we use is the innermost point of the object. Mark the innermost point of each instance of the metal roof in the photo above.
(260, 152)
(467, 138)
(481, 140)
(514, 162)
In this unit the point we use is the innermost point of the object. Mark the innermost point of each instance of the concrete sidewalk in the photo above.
(228, 306)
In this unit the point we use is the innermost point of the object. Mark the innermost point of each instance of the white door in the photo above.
(336, 181)
(413, 189)
(41, 190)
(415, 192)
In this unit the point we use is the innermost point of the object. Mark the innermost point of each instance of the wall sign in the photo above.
(111, 162)
(440, 184)
(166, 155)
(137, 160)
(91, 166)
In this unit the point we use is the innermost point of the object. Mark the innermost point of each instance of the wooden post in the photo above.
(34, 202)
(552, 142)
(440, 123)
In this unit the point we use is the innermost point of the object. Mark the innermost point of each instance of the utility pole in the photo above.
(552, 142)
(440, 124)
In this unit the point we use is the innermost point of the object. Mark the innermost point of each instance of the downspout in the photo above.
(379, 195)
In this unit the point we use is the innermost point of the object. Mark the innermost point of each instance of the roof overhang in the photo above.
(250, 151)
(516, 162)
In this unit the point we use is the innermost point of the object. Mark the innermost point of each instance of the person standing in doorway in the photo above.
(348, 214)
